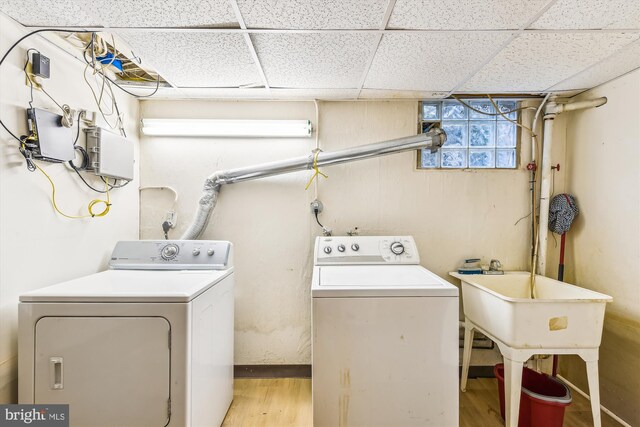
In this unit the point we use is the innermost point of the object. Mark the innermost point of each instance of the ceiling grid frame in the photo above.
(383, 26)
(329, 31)
(515, 35)
(582, 76)
(250, 46)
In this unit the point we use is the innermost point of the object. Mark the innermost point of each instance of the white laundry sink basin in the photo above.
(562, 315)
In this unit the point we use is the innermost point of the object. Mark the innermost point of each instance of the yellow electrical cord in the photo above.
(317, 171)
(90, 207)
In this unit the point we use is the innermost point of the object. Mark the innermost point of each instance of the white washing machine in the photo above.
(385, 336)
(147, 343)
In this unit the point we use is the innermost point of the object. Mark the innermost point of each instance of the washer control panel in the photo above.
(172, 255)
(346, 250)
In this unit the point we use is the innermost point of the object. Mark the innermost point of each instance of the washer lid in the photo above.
(379, 280)
(130, 286)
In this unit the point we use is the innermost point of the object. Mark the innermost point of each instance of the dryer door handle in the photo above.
(56, 373)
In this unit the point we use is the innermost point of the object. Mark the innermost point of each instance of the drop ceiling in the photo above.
(347, 49)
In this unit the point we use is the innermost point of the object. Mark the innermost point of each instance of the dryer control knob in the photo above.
(327, 249)
(355, 247)
(397, 248)
(196, 251)
(341, 248)
(210, 252)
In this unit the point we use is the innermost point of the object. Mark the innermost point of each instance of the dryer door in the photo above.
(112, 371)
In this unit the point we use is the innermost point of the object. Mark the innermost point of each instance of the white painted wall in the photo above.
(267, 220)
(38, 247)
(452, 214)
(603, 246)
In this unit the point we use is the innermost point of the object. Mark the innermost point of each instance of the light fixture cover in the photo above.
(227, 128)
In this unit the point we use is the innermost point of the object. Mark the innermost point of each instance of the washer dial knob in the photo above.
(196, 251)
(210, 252)
(341, 248)
(170, 251)
(327, 250)
(397, 248)
(355, 247)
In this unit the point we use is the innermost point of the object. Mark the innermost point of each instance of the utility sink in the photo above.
(562, 315)
(562, 319)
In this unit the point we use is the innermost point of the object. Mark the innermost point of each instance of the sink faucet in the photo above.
(494, 267)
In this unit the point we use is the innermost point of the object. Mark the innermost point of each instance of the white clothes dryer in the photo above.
(147, 343)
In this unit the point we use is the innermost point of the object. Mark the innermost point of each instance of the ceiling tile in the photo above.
(536, 61)
(196, 59)
(621, 62)
(308, 94)
(591, 14)
(255, 93)
(305, 14)
(434, 61)
(165, 13)
(121, 13)
(401, 94)
(47, 14)
(463, 14)
(213, 93)
(320, 60)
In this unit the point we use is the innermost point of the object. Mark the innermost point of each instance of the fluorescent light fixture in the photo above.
(227, 128)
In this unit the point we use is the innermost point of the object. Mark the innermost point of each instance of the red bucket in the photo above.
(542, 401)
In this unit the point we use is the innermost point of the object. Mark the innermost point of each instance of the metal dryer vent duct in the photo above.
(433, 139)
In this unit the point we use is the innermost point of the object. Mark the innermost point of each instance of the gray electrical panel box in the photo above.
(110, 155)
(53, 142)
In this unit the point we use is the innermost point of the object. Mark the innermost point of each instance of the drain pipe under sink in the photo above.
(552, 109)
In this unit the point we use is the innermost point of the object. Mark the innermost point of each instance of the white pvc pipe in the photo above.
(578, 105)
(551, 111)
(534, 139)
(545, 194)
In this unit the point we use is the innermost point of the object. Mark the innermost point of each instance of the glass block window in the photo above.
(474, 140)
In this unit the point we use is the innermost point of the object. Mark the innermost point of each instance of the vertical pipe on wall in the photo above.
(533, 176)
(552, 109)
(534, 138)
(545, 193)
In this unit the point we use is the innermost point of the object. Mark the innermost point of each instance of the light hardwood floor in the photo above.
(284, 402)
(277, 402)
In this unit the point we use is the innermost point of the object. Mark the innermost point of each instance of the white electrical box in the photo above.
(110, 155)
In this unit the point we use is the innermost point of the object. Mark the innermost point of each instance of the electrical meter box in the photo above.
(110, 155)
